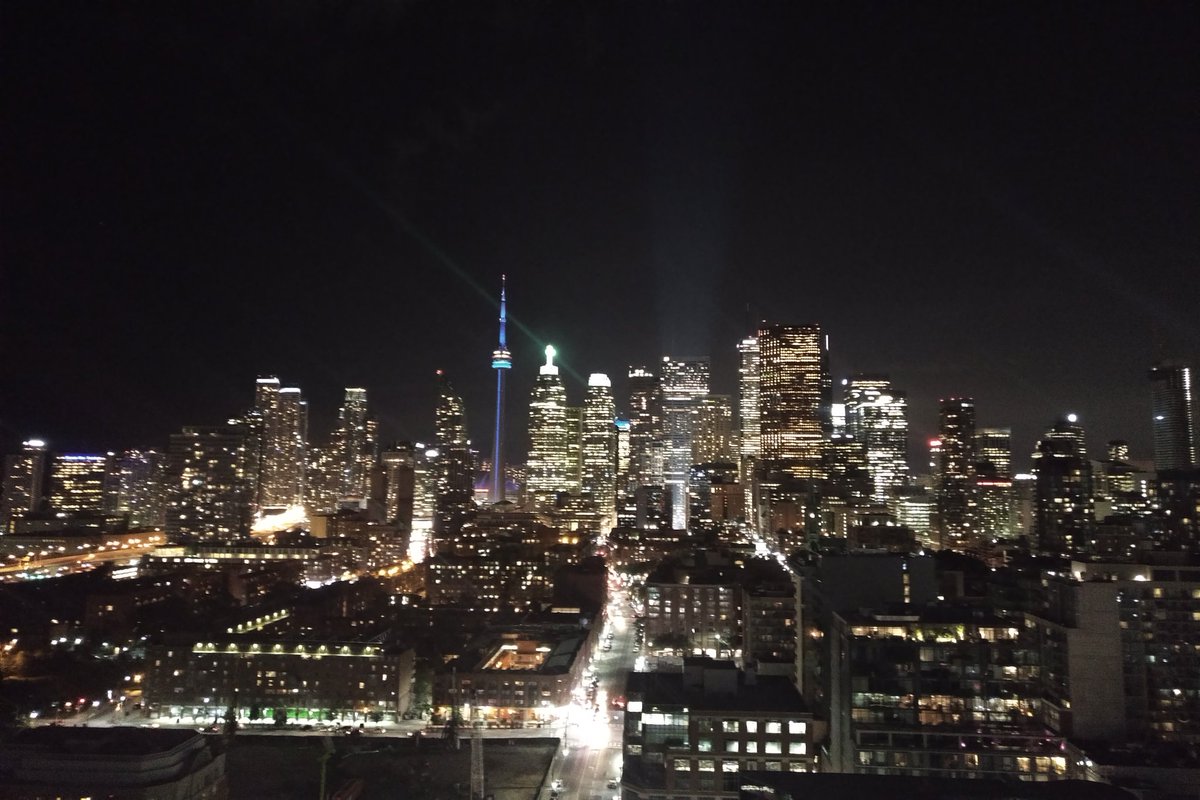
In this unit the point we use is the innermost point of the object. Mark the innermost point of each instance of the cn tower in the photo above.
(502, 363)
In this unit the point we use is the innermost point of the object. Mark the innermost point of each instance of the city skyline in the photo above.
(1023, 232)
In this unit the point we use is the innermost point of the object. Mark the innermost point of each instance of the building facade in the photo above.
(284, 443)
(551, 464)
(24, 482)
(795, 397)
(1173, 417)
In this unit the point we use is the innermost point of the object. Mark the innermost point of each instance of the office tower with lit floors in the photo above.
(454, 495)
(955, 471)
(284, 443)
(993, 450)
(1063, 499)
(551, 464)
(78, 483)
(713, 439)
(24, 483)
(794, 398)
(993, 498)
(645, 428)
(748, 419)
(600, 449)
(1173, 417)
(684, 385)
(877, 416)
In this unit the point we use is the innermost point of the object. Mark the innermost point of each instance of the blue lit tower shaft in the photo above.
(501, 362)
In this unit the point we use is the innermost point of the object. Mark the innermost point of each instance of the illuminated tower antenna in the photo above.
(502, 363)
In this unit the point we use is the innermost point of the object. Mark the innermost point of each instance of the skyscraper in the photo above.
(749, 426)
(399, 464)
(749, 447)
(684, 385)
(1173, 417)
(1063, 497)
(993, 450)
(284, 443)
(502, 363)
(645, 429)
(78, 482)
(600, 448)
(994, 511)
(955, 470)
(355, 444)
(139, 484)
(712, 430)
(877, 416)
(208, 497)
(550, 466)
(24, 481)
(455, 485)
(794, 397)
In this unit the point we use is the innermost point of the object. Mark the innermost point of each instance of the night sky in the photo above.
(994, 199)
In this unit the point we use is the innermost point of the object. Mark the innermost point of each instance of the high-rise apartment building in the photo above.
(684, 385)
(355, 443)
(24, 482)
(455, 483)
(600, 448)
(794, 396)
(1173, 417)
(877, 416)
(551, 464)
(284, 442)
(138, 481)
(78, 482)
(955, 470)
(208, 496)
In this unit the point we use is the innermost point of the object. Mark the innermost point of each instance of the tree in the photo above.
(422, 690)
(280, 717)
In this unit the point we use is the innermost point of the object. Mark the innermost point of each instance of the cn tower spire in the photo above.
(502, 363)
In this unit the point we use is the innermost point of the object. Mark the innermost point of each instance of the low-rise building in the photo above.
(690, 734)
(269, 678)
(515, 677)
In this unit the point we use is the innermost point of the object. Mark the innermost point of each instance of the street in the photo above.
(590, 758)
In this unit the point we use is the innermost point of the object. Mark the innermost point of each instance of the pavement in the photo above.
(591, 753)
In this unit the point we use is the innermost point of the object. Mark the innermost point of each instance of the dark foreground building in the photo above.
(130, 763)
